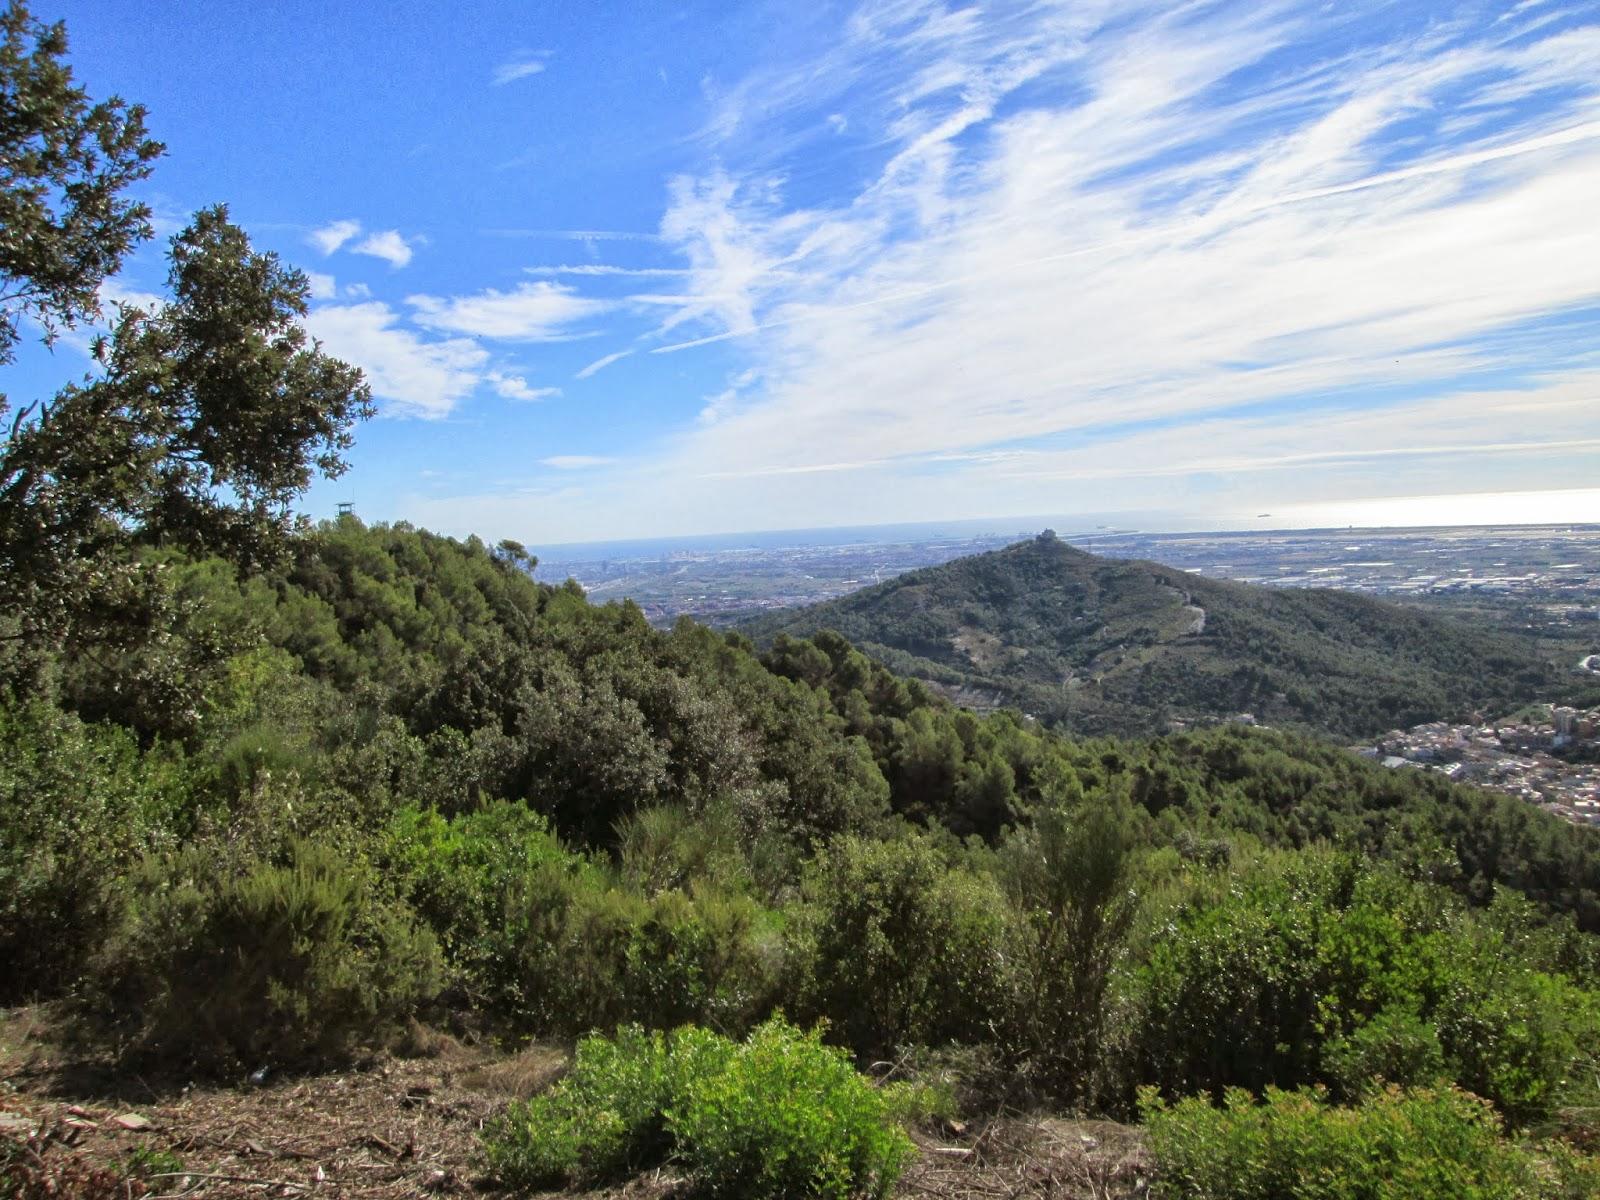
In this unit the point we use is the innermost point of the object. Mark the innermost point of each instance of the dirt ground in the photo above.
(407, 1125)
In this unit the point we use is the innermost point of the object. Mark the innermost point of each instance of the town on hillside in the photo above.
(1552, 760)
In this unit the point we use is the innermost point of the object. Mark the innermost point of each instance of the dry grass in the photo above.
(519, 1075)
(1013, 1158)
(398, 1127)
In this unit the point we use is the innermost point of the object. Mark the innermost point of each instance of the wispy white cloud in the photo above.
(575, 235)
(1163, 244)
(515, 387)
(575, 462)
(530, 312)
(604, 269)
(600, 364)
(322, 287)
(116, 293)
(388, 245)
(333, 235)
(518, 68)
(1117, 254)
(417, 376)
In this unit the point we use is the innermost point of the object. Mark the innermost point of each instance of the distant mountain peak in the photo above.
(1111, 645)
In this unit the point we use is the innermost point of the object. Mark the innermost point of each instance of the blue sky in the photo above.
(631, 270)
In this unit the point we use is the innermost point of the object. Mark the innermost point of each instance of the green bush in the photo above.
(606, 1118)
(1522, 1038)
(480, 880)
(894, 947)
(78, 805)
(1399, 1145)
(1396, 1047)
(546, 940)
(1068, 876)
(780, 1115)
(669, 848)
(786, 1116)
(1313, 968)
(230, 965)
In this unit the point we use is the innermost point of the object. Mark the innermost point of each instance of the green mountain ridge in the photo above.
(1105, 645)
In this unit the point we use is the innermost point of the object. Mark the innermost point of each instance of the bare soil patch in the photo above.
(407, 1126)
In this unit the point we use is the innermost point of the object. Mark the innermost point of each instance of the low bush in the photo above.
(1524, 1039)
(228, 965)
(779, 1115)
(1314, 968)
(78, 804)
(546, 939)
(785, 1115)
(1425, 1144)
(894, 947)
(607, 1117)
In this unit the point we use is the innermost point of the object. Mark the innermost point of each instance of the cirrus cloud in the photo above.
(530, 312)
(417, 376)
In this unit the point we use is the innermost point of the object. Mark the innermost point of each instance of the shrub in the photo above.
(667, 848)
(605, 1119)
(1519, 1037)
(1244, 989)
(786, 1116)
(78, 804)
(1314, 969)
(894, 947)
(231, 965)
(544, 938)
(780, 1115)
(1068, 875)
(1396, 1047)
(482, 880)
(1399, 1145)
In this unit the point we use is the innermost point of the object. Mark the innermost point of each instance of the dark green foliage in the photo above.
(587, 714)
(780, 1115)
(208, 417)
(1399, 1145)
(235, 964)
(1100, 645)
(1293, 790)
(78, 805)
(1068, 877)
(895, 948)
(1313, 969)
(545, 939)
(64, 164)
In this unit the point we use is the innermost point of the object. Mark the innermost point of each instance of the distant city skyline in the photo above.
(622, 271)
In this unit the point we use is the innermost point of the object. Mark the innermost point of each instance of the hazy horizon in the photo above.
(1068, 525)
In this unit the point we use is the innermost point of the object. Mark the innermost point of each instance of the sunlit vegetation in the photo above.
(1101, 645)
(271, 794)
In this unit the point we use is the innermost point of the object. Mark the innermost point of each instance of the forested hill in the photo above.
(1105, 645)
(391, 776)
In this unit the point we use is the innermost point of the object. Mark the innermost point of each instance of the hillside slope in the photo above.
(1104, 645)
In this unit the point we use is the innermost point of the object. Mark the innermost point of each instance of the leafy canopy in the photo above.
(207, 413)
(64, 163)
